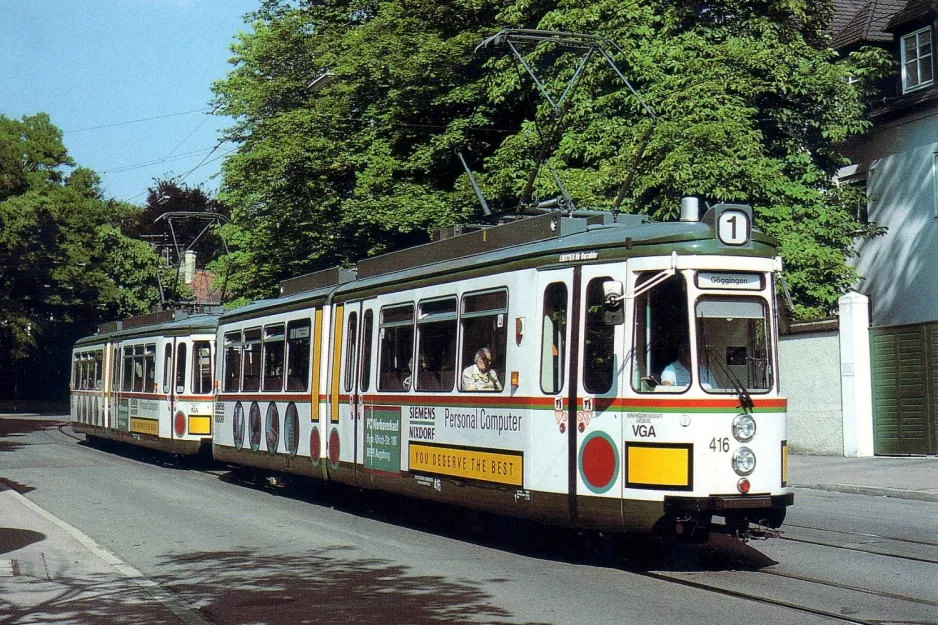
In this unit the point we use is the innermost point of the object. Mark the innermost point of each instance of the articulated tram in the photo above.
(589, 370)
(147, 381)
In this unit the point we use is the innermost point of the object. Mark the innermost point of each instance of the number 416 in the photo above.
(720, 444)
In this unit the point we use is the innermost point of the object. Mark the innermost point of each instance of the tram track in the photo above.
(886, 546)
(737, 594)
(798, 584)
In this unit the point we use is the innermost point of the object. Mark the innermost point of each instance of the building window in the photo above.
(916, 60)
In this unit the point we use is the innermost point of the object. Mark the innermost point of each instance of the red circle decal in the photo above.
(180, 423)
(599, 462)
(314, 445)
(334, 447)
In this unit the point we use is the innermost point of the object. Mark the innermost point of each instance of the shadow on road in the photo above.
(12, 429)
(327, 586)
(524, 537)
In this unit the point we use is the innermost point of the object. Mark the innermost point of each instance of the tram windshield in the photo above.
(733, 344)
(662, 335)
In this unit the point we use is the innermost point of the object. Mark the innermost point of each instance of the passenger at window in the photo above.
(480, 376)
(678, 372)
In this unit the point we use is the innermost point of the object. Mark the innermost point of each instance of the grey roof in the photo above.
(858, 22)
(911, 11)
(193, 324)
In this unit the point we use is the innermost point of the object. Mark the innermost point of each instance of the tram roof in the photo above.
(180, 324)
(628, 236)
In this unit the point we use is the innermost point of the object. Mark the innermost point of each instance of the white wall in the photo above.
(900, 161)
(809, 367)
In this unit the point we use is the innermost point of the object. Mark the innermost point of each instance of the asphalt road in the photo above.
(236, 553)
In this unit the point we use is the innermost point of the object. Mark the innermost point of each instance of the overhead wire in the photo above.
(135, 121)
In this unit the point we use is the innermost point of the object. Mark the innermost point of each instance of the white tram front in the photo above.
(147, 381)
(590, 371)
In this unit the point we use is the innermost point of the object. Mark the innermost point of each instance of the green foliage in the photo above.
(751, 107)
(64, 264)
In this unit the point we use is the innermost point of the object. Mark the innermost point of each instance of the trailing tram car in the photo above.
(590, 370)
(147, 381)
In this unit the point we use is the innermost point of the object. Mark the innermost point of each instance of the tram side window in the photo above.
(436, 345)
(149, 369)
(201, 367)
(395, 350)
(368, 323)
(232, 373)
(167, 366)
(138, 368)
(351, 350)
(251, 360)
(76, 372)
(181, 357)
(599, 355)
(116, 368)
(484, 327)
(273, 357)
(98, 369)
(128, 369)
(554, 338)
(298, 348)
(661, 332)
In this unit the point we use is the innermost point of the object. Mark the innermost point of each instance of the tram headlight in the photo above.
(744, 428)
(744, 461)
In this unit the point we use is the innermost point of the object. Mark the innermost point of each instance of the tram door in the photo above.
(596, 435)
(580, 368)
(558, 308)
(113, 384)
(351, 405)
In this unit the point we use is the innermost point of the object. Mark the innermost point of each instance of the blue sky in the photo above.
(92, 63)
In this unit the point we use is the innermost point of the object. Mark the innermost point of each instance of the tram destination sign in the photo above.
(726, 280)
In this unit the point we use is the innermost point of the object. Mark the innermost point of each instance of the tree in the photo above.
(64, 265)
(750, 107)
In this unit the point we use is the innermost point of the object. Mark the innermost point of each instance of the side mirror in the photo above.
(613, 298)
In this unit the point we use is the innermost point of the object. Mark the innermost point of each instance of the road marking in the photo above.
(164, 597)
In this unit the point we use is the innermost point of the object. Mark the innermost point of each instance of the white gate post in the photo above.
(856, 379)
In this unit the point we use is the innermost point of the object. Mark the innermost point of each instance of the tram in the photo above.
(583, 369)
(147, 381)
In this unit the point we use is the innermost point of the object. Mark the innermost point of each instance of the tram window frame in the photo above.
(167, 366)
(391, 371)
(351, 350)
(554, 338)
(128, 368)
(298, 354)
(472, 322)
(599, 340)
(251, 358)
(434, 313)
(273, 348)
(232, 365)
(368, 330)
(656, 347)
(149, 368)
(182, 361)
(202, 372)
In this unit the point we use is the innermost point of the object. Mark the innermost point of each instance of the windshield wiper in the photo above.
(745, 399)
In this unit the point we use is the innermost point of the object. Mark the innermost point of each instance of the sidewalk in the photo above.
(52, 573)
(881, 476)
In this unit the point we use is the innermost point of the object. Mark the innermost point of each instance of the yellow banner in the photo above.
(145, 426)
(473, 464)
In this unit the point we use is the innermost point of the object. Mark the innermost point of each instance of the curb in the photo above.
(873, 491)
